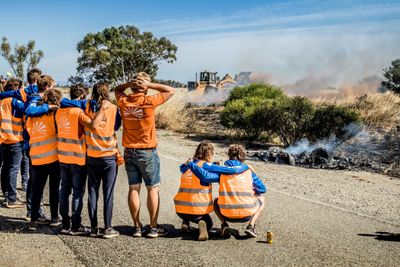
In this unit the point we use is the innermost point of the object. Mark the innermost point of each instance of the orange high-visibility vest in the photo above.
(101, 142)
(71, 140)
(2, 139)
(11, 127)
(236, 196)
(192, 197)
(42, 139)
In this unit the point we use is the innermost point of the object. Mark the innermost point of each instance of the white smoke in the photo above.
(352, 130)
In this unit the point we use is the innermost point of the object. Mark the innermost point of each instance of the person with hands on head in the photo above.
(241, 196)
(139, 139)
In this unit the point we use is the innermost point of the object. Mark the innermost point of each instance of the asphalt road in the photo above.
(307, 233)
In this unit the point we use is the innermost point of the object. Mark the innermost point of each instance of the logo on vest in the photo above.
(38, 129)
(64, 126)
(133, 114)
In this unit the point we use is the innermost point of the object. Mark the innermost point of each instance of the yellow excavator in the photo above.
(209, 81)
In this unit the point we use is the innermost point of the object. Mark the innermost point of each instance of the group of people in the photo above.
(72, 143)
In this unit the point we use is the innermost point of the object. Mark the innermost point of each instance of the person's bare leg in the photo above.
(259, 211)
(217, 212)
(134, 204)
(153, 205)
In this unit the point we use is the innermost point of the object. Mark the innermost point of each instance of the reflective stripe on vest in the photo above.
(101, 142)
(11, 127)
(43, 139)
(71, 141)
(192, 197)
(236, 196)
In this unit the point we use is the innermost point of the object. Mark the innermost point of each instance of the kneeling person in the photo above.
(241, 196)
(193, 203)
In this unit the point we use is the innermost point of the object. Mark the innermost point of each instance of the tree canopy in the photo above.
(392, 77)
(23, 57)
(116, 54)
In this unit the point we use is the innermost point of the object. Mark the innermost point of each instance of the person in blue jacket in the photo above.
(27, 95)
(185, 201)
(237, 155)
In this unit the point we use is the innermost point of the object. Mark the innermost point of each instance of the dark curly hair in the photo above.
(51, 97)
(33, 75)
(44, 82)
(78, 90)
(237, 152)
(204, 151)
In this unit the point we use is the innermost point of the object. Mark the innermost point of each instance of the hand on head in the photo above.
(139, 84)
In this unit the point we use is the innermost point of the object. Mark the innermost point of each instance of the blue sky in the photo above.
(340, 41)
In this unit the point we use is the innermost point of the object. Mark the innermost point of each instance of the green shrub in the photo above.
(261, 109)
(293, 119)
(261, 90)
(330, 119)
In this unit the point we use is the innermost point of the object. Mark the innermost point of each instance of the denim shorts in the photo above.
(142, 165)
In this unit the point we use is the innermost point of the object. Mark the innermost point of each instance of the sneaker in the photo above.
(43, 220)
(16, 204)
(137, 232)
(156, 232)
(94, 232)
(225, 232)
(110, 233)
(65, 231)
(203, 233)
(28, 217)
(185, 227)
(55, 222)
(32, 226)
(250, 231)
(81, 230)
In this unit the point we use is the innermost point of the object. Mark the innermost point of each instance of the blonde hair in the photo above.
(142, 75)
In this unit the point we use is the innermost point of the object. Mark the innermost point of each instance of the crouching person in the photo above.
(194, 202)
(43, 152)
(241, 196)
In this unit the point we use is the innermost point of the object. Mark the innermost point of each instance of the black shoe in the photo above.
(137, 232)
(43, 220)
(55, 222)
(16, 204)
(65, 231)
(110, 233)
(33, 226)
(185, 228)
(251, 231)
(203, 232)
(156, 232)
(225, 231)
(95, 232)
(81, 230)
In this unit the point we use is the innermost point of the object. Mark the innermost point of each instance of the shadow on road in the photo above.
(384, 236)
(20, 225)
